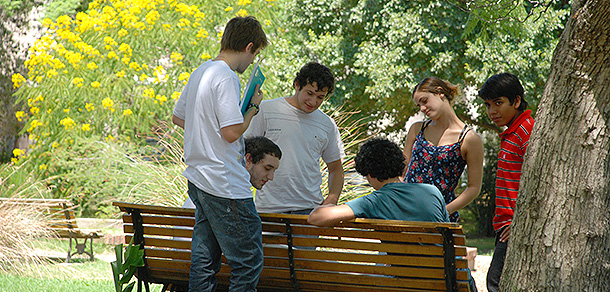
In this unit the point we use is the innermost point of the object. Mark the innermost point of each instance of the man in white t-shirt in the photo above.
(226, 221)
(305, 134)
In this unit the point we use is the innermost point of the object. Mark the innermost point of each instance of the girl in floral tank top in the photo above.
(440, 166)
(438, 150)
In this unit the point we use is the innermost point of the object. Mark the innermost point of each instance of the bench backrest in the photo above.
(58, 213)
(357, 255)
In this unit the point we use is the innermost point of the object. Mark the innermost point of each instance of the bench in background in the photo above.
(59, 213)
(357, 255)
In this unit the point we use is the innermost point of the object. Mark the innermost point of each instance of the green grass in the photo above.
(56, 275)
(484, 245)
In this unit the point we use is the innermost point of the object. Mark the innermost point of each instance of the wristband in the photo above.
(254, 106)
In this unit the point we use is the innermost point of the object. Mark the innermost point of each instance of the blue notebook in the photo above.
(256, 78)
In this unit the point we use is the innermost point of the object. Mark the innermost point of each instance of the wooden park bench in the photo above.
(61, 219)
(357, 255)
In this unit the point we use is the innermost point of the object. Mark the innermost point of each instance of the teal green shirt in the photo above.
(402, 201)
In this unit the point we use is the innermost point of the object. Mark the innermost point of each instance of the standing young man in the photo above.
(305, 134)
(503, 97)
(218, 183)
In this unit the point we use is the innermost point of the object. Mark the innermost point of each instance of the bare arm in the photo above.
(335, 182)
(473, 151)
(329, 215)
(178, 121)
(233, 132)
(411, 135)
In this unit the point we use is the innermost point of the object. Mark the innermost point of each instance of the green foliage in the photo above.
(94, 173)
(126, 265)
(56, 8)
(380, 49)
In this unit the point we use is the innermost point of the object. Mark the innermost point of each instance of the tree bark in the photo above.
(560, 237)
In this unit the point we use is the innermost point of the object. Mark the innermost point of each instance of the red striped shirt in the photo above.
(510, 159)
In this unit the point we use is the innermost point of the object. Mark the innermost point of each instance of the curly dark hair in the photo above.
(380, 158)
(260, 146)
(318, 73)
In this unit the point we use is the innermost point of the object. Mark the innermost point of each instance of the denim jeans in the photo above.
(497, 263)
(229, 227)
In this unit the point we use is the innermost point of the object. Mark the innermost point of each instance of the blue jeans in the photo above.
(229, 227)
(497, 263)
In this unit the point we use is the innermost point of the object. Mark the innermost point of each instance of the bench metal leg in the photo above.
(80, 248)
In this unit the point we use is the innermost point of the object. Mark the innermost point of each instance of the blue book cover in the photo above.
(256, 78)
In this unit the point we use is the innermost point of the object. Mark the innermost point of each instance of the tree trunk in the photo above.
(560, 238)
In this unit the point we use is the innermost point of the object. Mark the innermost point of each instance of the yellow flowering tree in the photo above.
(117, 69)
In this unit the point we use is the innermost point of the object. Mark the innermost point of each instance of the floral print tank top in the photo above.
(441, 166)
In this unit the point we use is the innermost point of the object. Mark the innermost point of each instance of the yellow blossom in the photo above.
(66, 110)
(89, 107)
(47, 22)
(127, 112)
(143, 77)
(184, 76)
(167, 26)
(120, 74)
(95, 84)
(244, 2)
(108, 104)
(161, 99)
(18, 152)
(110, 41)
(149, 92)
(42, 167)
(176, 57)
(110, 138)
(17, 79)
(202, 33)
(242, 13)
(175, 95)
(34, 124)
(55, 144)
(205, 56)
(34, 110)
(78, 81)
(92, 66)
(51, 73)
(112, 54)
(135, 66)
(68, 123)
(39, 79)
(20, 115)
(86, 127)
(228, 9)
(122, 32)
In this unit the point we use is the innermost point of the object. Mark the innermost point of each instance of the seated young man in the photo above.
(262, 159)
(382, 163)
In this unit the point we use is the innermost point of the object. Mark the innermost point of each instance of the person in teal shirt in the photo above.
(382, 163)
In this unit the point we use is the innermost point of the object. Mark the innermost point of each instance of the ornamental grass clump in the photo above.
(19, 227)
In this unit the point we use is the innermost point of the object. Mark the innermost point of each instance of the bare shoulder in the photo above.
(472, 141)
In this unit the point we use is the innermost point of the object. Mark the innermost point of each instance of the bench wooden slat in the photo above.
(364, 233)
(163, 220)
(368, 258)
(163, 231)
(163, 242)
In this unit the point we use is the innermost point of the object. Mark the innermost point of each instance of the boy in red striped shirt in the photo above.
(503, 97)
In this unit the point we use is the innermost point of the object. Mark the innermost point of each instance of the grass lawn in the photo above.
(485, 245)
(79, 275)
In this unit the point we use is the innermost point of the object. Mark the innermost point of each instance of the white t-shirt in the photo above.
(304, 139)
(209, 102)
